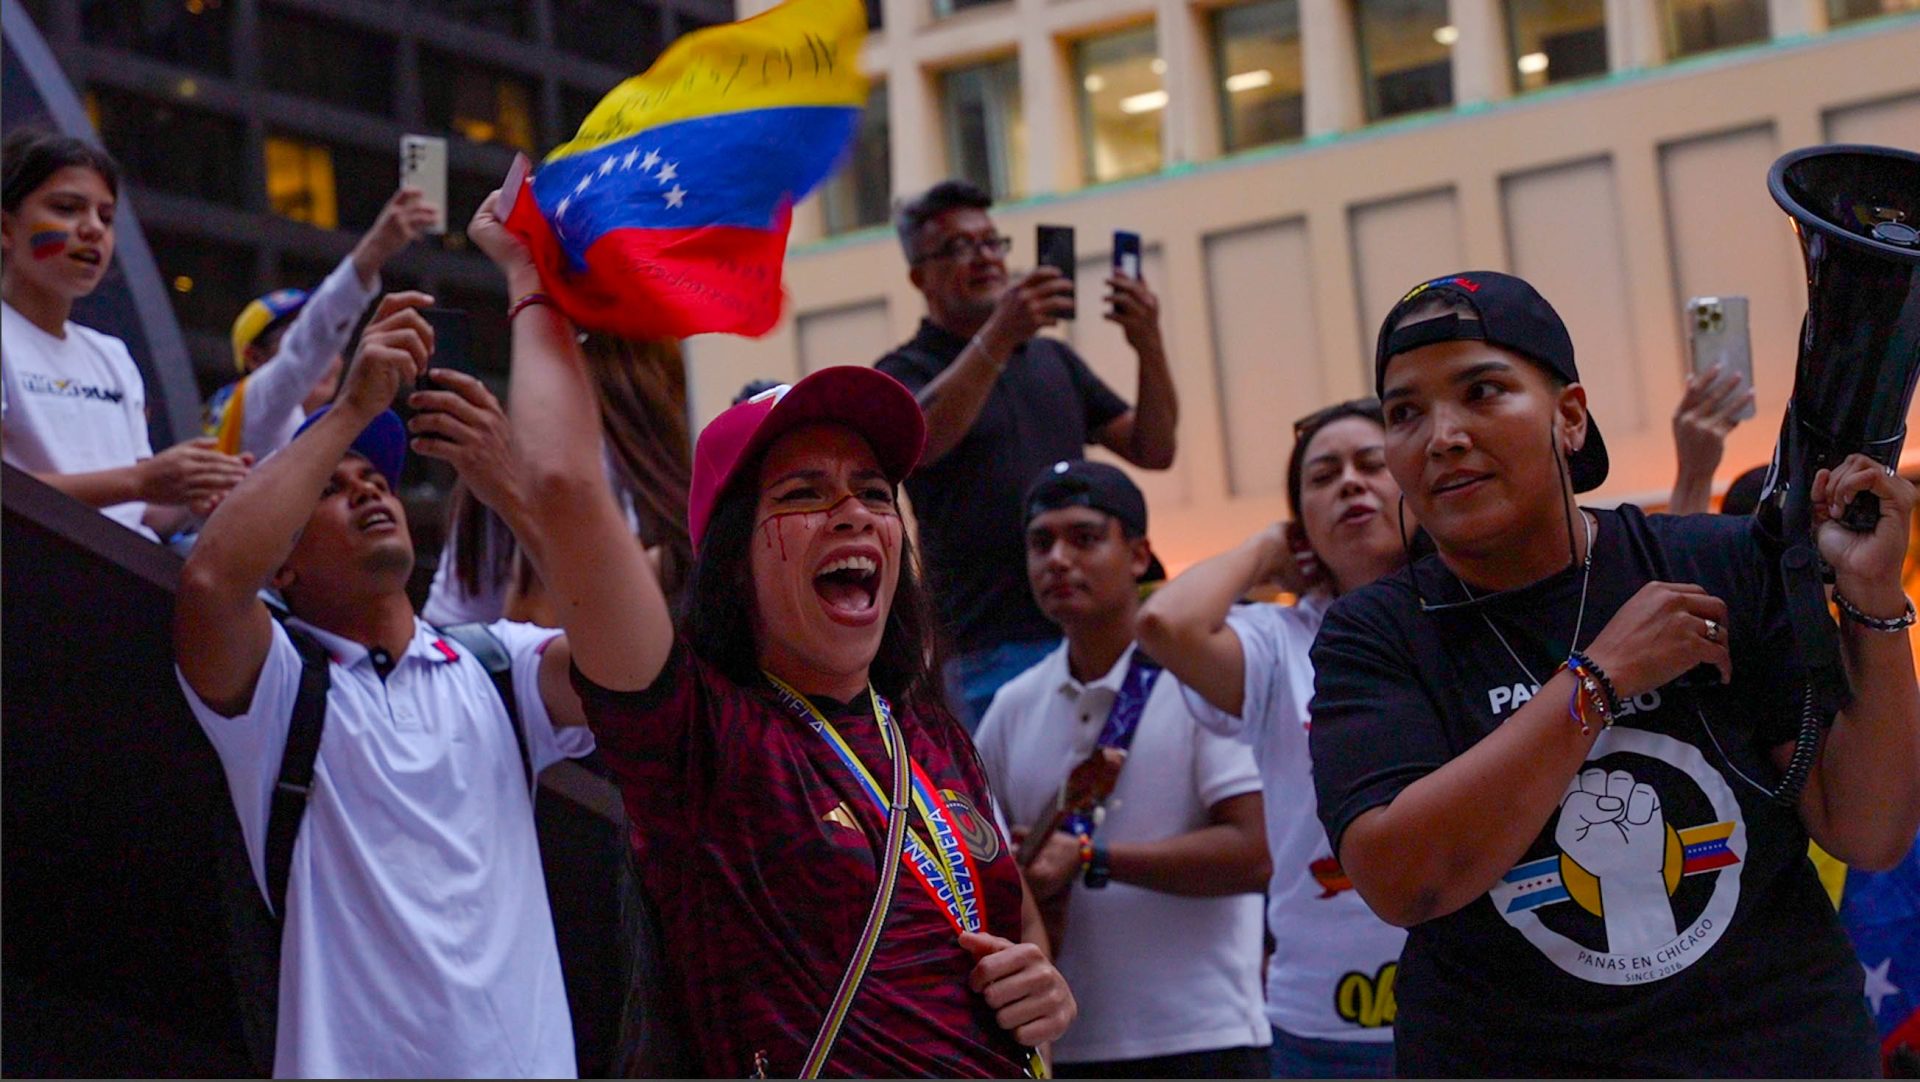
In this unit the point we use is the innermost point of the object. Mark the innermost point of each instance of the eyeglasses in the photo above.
(1320, 418)
(993, 245)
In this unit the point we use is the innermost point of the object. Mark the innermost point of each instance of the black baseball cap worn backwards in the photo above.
(1096, 485)
(1512, 315)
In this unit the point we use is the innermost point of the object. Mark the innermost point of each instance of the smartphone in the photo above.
(1717, 335)
(1055, 244)
(452, 341)
(1126, 254)
(423, 165)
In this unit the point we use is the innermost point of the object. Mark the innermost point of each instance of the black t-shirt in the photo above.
(1047, 406)
(1722, 954)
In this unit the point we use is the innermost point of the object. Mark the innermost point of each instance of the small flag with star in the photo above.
(667, 214)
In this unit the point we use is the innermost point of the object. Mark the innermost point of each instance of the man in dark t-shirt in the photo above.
(1001, 406)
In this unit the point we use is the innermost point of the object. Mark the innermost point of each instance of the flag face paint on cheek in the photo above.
(47, 240)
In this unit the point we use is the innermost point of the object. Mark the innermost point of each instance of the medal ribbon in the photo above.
(947, 871)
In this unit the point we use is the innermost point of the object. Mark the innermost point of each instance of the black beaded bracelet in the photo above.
(1898, 623)
(1600, 676)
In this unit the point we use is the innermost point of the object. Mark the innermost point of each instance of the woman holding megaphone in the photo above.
(813, 825)
(1554, 750)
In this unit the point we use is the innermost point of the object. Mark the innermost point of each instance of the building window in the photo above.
(480, 103)
(365, 180)
(619, 33)
(944, 8)
(1847, 11)
(193, 33)
(1555, 41)
(861, 193)
(300, 181)
(1699, 26)
(316, 58)
(146, 136)
(1118, 78)
(1406, 55)
(507, 17)
(986, 134)
(1257, 60)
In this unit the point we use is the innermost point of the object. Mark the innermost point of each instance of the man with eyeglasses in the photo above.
(1002, 404)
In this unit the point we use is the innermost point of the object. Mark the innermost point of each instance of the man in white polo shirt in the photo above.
(416, 936)
(1161, 882)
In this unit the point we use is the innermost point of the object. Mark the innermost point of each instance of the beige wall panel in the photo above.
(1729, 237)
(851, 334)
(1397, 244)
(1105, 350)
(1575, 260)
(1891, 122)
(1266, 349)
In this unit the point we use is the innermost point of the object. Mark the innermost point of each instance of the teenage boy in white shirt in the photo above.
(1161, 886)
(416, 935)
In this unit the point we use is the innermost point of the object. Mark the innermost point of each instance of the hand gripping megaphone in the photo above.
(1856, 210)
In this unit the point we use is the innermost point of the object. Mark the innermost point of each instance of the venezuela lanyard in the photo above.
(946, 870)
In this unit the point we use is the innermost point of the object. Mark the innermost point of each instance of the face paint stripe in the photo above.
(47, 241)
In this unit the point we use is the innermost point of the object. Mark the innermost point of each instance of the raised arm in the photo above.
(953, 400)
(1862, 801)
(1707, 412)
(1184, 624)
(221, 630)
(599, 581)
(1145, 434)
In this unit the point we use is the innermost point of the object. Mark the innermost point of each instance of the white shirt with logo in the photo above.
(417, 937)
(1154, 974)
(73, 404)
(1331, 974)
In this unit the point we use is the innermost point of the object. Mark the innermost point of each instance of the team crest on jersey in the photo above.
(981, 836)
(1651, 844)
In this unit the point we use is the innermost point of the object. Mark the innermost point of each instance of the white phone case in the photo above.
(1717, 335)
(423, 165)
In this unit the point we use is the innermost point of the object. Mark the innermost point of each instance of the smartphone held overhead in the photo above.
(423, 165)
(1055, 245)
(1717, 337)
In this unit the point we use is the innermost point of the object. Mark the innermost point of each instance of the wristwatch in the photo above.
(1098, 872)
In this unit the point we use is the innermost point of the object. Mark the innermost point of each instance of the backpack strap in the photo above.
(295, 783)
(492, 654)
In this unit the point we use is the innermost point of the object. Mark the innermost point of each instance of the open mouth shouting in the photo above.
(848, 585)
(376, 520)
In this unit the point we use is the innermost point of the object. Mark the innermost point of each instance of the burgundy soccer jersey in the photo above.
(760, 851)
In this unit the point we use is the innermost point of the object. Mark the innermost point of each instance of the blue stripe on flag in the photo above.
(1538, 898)
(1532, 869)
(734, 169)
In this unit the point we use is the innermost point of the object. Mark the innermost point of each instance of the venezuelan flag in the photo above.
(667, 214)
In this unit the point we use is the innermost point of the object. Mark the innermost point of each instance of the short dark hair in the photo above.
(1309, 426)
(753, 387)
(32, 155)
(911, 216)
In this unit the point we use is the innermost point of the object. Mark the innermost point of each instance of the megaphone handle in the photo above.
(1862, 513)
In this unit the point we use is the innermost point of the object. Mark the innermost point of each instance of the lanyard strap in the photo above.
(946, 871)
(1123, 721)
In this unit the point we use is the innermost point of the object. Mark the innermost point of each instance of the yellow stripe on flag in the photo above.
(803, 52)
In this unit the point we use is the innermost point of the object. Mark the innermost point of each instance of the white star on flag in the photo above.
(1879, 987)
(606, 167)
(647, 163)
(560, 211)
(582, 186)
(669, 171)
(674, 195)
(626, 163)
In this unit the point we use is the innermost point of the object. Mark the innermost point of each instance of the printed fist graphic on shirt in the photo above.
(1612, 826)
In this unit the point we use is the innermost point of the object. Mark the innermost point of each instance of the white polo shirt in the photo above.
(417, 938)
(72, 405)
(1155, 974)
(1333, 960)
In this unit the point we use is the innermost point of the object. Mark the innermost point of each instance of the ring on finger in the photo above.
(1713, 630)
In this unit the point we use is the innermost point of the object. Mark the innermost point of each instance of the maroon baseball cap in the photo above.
(867, 400)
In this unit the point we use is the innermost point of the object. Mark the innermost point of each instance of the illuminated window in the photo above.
(300, 182)
(861, 192)
(986, 138)
(1555, 41)
(1406, 54)
(1699, 26)
(1122, 99)
(1846, 11)
(482, 104)
(1257, 60)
